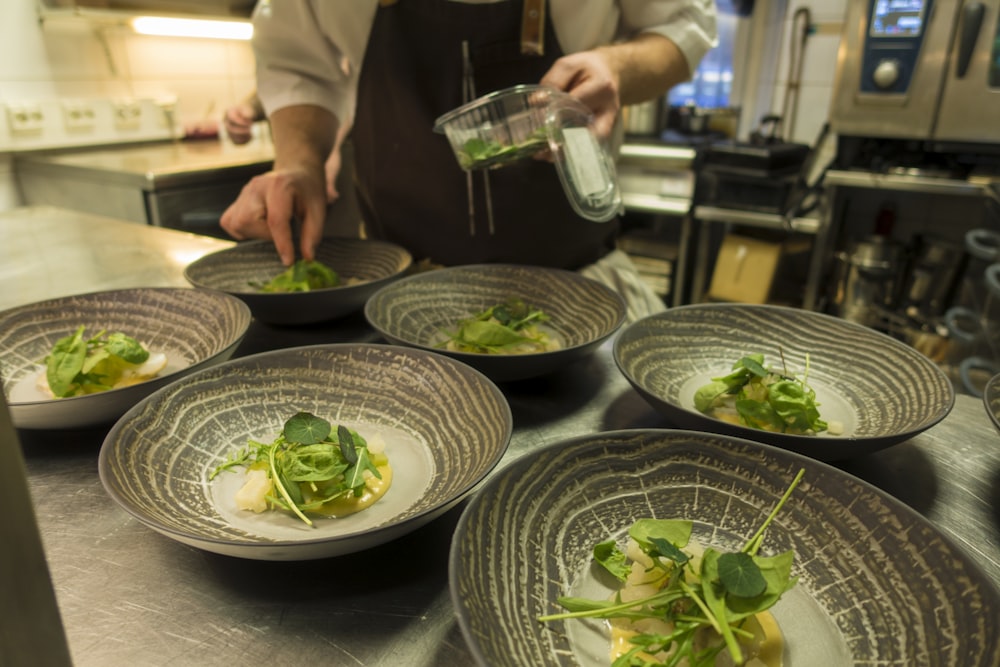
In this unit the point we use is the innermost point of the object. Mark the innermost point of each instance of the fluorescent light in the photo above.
(171, 27)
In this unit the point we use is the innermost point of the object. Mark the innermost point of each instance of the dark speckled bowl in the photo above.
(420, 309)
(445, 426)
(195, 328)
(880, 390)
(878, 583)
(991, 400)
(372, 263)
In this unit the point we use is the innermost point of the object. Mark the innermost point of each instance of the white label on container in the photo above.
(584, 160)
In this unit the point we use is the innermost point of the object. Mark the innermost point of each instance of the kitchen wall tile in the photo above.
(174, 58)
(241, 60)
(197, 99)
(811, 114)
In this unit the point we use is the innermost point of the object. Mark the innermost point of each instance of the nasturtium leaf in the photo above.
(306, 429)
(740, 575)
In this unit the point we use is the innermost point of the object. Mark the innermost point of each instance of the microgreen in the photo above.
(719, 593)
(764, 399)
(302, 276)
(477, 153)
(504, 327)
(307, 465)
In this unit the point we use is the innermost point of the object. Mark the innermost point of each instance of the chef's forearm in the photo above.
(647, 66)
(303, 136)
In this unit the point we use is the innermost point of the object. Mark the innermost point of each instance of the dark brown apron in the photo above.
(410, 187)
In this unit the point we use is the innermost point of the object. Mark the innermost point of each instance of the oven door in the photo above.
(970, 100)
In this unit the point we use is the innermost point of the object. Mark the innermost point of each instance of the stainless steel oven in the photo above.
(925, 71)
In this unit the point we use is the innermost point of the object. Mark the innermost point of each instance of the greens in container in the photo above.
(516, 123)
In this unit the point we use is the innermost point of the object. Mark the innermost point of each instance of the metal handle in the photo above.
(972, 21)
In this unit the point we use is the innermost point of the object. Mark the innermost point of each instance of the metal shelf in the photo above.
(805, 225)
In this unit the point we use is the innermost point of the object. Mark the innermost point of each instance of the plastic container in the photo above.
(519, 122)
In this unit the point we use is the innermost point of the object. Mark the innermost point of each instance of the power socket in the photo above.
(127, 115)
(78, 116)
(25, 118)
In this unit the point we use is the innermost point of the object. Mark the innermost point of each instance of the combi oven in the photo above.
(922, 71)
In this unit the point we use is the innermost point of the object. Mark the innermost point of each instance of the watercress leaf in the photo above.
(759, 414)
(355, 475)
(740, 575)
(611, 558)
(347, 446)
(584, 604)
(662, 547)
(795, 404)
(126, 348)
(306, 429)
(675, 531)
(313, 463)
(754, 363)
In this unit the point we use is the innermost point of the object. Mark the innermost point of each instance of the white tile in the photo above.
(812, 112)
(170, 58)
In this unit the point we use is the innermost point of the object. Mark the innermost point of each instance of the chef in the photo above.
(396, 65)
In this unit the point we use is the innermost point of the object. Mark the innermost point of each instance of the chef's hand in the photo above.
(238, 122)
(588, 76)
(630, 72)
(267, 205)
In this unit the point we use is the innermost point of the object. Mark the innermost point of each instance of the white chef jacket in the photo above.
(310, 51)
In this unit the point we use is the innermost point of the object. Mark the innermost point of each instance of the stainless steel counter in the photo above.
(177, 184)
(129, 596)
(47, 251)
(155, 165)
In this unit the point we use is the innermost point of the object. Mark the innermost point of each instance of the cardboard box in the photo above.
(745, 269)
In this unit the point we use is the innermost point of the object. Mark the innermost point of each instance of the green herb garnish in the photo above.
(78, 365)
(762, 398)
(506, 328)
(309, 464)
(302, 276)
(725, 590)
(478, 153)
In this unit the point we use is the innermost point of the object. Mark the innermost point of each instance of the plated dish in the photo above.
(444, 425)
(877, 583)
(363, 266)
(189, 329)
(877, 389)
(422, 310)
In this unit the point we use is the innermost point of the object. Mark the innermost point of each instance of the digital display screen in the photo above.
(898, 18)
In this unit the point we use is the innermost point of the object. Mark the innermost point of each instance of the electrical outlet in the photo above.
(127, 115)
(25, 118)
(79, 116)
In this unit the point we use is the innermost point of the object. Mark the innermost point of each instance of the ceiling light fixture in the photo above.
(174, 27)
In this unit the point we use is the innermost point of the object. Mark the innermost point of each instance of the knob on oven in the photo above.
(886, 74)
